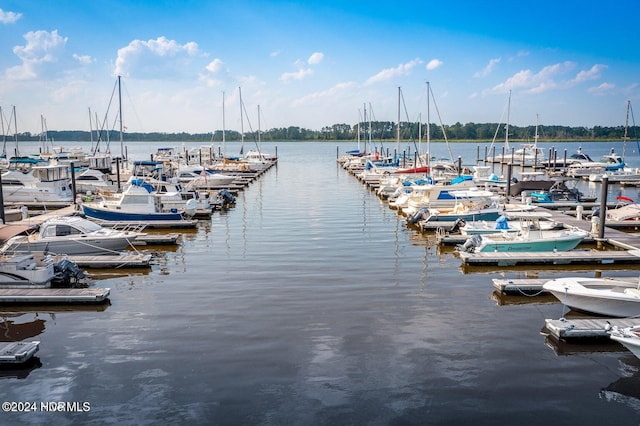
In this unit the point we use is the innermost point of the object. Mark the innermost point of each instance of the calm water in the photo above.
(310, 302)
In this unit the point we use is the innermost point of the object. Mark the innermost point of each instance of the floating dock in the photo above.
(18, 352)
(156, 239)
(137, 260)
(533, 285)
(572, 257)
(586, 327)
(54, 295)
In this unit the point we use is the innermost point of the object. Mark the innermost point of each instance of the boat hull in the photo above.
(597, 296)
(549, 244)
(80, 246)
(121, 216)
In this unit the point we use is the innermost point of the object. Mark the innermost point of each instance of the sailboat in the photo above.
(526, 154)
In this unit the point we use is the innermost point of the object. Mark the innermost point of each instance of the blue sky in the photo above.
(314, 64)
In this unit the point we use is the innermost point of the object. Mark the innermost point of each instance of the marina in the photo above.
(311, 299)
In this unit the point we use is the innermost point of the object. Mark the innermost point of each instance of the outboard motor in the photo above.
(226, 197)
(67, 273)
(459, 223)
(471, 243)
(418, 216)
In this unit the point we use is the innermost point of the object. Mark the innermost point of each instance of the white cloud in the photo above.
(530, 82)
(214, 66)
(590, 74)
(318, 96)
(83, 59)
(433, 64)
(389, 73)
(488, 69)
(603, 89)
(42, 48)
(275, 53)
(157, 58)
(9, 17)
(296, 75)
(315, 58)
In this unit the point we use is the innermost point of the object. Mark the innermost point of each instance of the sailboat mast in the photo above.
(224, 138)
(259, 141)
(428, 128)
(91, 130)
(398, 129)
(15, 128)
(241, 122)
(626, 128)
(506, 140)
(4, 135)
(120, 114)
(365, 121)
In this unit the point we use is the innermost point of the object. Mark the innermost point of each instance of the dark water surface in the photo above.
(310, 302)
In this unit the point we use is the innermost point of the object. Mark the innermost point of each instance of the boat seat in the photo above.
(632, 292)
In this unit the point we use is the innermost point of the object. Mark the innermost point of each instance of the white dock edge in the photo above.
(18, 352)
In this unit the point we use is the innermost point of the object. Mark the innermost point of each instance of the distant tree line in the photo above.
(376, 131)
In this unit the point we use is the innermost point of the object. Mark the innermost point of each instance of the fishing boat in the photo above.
(503, 224)
(71, 235)
(531, 238)
(629, 337)
(460, 211)
(601, 296)
(138, 202)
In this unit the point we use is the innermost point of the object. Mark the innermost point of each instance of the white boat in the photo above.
(197, 177)
(628, 176)
(93, 180)
(168, 191)
(41, 184)
(71, 235)
(629, 337)
(581, 165)
(503, 224)
(601, 296)
(138, 202)
(22, 270)
(530, 239)
(624, 212)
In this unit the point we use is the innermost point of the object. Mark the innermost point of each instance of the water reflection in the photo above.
(20, 371)
(625, 390)
(15, 331)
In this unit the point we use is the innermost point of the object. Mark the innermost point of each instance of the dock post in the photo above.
(118, 172)
(2, 202)
(509, 166)
(603, 209)
(73, 181)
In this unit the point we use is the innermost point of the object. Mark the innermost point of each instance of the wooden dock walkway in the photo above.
(53, 295)
(572, 257)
